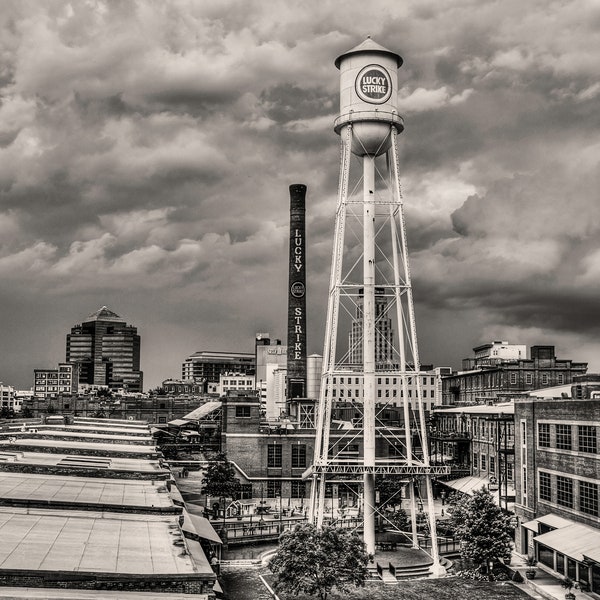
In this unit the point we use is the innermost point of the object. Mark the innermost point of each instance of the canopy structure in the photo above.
(576, 541)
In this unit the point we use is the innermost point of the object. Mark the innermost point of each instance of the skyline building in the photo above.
(107, 351)
(384, 332)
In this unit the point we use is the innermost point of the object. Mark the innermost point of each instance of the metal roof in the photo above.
(202, 411)
(574, 540)
(370, 47)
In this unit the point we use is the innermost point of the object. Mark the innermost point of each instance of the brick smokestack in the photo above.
(296, 352)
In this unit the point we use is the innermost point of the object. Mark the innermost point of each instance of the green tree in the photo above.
(220, 478)
(389, 489)
(482, 528)
(399, 519)
(313, 561)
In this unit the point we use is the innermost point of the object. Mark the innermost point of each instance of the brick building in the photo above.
(557, 465)
(486, 376)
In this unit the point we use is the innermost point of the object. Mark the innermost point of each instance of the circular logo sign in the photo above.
(374, 84)
(297, 289)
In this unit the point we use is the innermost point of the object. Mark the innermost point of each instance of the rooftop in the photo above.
(104, 314)
(27, 487)
(71, 541)
(113, 463)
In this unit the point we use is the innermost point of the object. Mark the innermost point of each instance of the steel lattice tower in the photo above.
(370, 287)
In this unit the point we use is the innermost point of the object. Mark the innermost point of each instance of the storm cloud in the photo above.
(146, 149)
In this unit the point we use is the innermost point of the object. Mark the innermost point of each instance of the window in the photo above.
(242, 411)
(561, 379)
(492, 465)
(299, 456)
(588, 498)
(545, 486)
(475, 459)
(563, 437)
(544, 435)
(273, 489)
(162, 419)
(483, 466)
(529, 378)
(564, 491)
(544, 378)
(298, 489)
(587, 439)
(513, 379)
(245, 491)
(274, 456)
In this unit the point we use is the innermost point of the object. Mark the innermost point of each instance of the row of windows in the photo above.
(545, 378)
(587, 437)
(380, 380)
(565, 492)
(298, 489)
(275, 456)
(359, 393)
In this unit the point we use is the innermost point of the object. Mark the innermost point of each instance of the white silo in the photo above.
(370, 260)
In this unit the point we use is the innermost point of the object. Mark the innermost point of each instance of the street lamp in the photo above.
(280, 509)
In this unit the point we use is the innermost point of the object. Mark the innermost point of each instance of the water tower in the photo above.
(371, 303)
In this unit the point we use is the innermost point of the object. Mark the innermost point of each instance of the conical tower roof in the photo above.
(371, 47)
(104, 314)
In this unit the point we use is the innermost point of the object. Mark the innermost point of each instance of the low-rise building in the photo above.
(500, 368)
(10, 402)
(210, 364)
(50, 383)
(557, 442)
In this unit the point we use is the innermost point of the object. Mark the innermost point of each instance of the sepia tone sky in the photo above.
(146, 149)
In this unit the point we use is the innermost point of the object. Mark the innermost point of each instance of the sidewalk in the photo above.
(545, 585)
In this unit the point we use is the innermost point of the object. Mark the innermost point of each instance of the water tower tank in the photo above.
(368, 96)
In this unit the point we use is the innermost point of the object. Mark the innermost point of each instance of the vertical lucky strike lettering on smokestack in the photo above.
(296, 353)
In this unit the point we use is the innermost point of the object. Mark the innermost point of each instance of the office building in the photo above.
(384, 333)
(107, 351)
(50, 383)
(210, 365)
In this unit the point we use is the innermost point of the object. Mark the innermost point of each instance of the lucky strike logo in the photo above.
(373, 84)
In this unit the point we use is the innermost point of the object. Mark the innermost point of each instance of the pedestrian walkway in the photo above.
(545, 585)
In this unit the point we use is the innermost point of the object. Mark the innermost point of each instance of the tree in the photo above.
(399, 519)
(389, 489)
(313, 561)
(220, 478)
(482, 528)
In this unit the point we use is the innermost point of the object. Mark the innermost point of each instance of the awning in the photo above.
(550, 520)
(204, 528)
(178, 423)
(573, 540)
(203, 410)
(468, 485)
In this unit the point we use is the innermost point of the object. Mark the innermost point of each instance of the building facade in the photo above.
(489, 375)
(350, 387)
(209, 365)
(9, 399)
(50, 383)
(477, 441)
(177, 387)
(384, 332)
(557, 442)
(107, 351)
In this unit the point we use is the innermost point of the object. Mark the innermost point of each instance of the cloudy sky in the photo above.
(146, 149)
